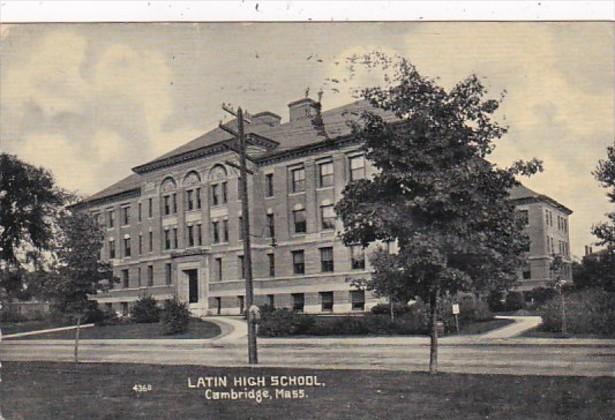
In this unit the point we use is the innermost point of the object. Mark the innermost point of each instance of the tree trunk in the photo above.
(77, 339)
(433, 345)
(392, 309)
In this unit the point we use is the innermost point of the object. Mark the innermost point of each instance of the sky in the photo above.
(91, 101)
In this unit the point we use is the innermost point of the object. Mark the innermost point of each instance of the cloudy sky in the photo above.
(91, 101)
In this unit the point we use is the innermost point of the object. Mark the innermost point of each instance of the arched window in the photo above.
(192, 182)
(169, 196)
(218, 187)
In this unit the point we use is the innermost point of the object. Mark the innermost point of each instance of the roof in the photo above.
(522, 193)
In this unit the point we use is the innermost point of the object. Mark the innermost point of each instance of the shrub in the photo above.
(541, 295)
(174, 317)
(385, 309)
(496, 301)
(145, 311)
(11, 316)
(283, 322)
(514, 301)
(588, 311)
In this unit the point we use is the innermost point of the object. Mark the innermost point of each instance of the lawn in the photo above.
(537, 333)
(482, 327)
(196, 329)
(44, 390)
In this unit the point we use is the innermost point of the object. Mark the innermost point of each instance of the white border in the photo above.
(12, 11)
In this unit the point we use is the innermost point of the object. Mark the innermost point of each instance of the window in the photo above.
(269, 185)
(299, 220)
(124, 308)
(139, 276)
(240, 228)
(190, 200)
(240, 300)
(271, 300)
(357, 299)
(151, 241)
(175, 238)
(190, 231)
(241, 269)
(167, 239)
(357, 167)
(326, 259)
(111, 249)
(271, 259)
(357, 257)
(140, 243)
(326, 301)
(174, 197)
(298, 180)
(127, 247)
(150, 208)
(224, 193)
(298, 262)
(271, 225)
(140, 212)
(218, 305)
(325, 174)
(198, 198)
(215, 195)
(524, 216)
(527, 273)
(199, 235)
(125, 279)
(168, 272)
(125, 216)
(218, 266)
(327, 216)
(167, 204)
(150, 275)
(298, 302)
(111, 218)
(225, 229)
(215, 232)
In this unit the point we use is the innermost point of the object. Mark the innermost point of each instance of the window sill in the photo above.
(292, 194)
(330, 187)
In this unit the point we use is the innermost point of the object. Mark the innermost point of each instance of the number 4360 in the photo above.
(142, 387)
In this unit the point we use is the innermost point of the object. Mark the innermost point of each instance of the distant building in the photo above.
(173, 226)
(548, 230)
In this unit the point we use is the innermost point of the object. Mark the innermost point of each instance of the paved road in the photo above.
(503, 356)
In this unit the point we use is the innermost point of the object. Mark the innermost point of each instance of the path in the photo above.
(520, 325)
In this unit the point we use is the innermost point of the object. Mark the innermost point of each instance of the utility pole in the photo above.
(245, 230)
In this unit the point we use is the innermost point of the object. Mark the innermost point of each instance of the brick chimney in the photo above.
(302, 109)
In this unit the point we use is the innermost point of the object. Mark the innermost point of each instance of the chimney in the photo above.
(266, 118)
(302, 109)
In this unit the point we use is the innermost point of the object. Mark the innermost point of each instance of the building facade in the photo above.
(173, 227)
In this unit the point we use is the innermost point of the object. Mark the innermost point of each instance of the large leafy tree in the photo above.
(78, 270)
(29, 202)
(605, 174)
(434, 193)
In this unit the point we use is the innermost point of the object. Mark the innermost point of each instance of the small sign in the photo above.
(455, 308)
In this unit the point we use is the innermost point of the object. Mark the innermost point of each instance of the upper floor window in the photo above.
(215, 232)
(357, 257)
(127, 247)
(111, 218)
(297, 180)
(199, 234)
(357, 167)
(167, 239)
(126, 215)
(270, 225)
(298, 262)
(139, 276)
(151, 241)
(125, 279)
(325, 174)
(190, 234)
(169, 199)
(150, 208)
(326, 259)
(218, 268)
(327, 215)
(140, 212)
(269, 185)
(193, 191)
(299, 219)
(217, 178)
(111, 249)
(168, 273)
(225, 230)
(150, 275)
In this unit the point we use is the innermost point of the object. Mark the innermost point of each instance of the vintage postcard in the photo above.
(337, 220)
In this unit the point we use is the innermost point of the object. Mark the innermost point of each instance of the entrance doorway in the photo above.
(193, 285)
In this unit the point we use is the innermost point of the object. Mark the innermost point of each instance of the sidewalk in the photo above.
(520, 325)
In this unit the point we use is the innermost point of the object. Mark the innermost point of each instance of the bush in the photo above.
(145, 311)
(283, 322)
(174, 317)
(496, 301)
(11, 316)
(385, 309)
(514, 301)
(541, 295)
(589, 311)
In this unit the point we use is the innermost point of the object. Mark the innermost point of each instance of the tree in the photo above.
(29, 202)
(434, 192)
(78, 271)
(605, 231)
(596, 270)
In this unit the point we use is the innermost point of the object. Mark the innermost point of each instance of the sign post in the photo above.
(456, 313)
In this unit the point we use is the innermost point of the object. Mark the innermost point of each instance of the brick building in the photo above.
(173, 226)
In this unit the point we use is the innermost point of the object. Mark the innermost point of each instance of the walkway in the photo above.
(521, 324)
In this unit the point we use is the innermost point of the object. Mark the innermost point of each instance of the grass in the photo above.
(196, 329)
(45, 390)
(482, 327)
(538, 333)
(25, 326)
